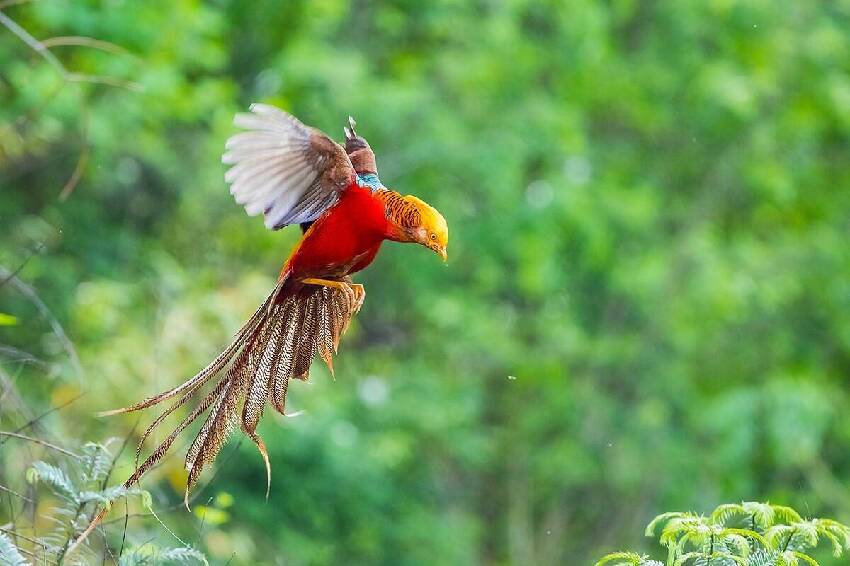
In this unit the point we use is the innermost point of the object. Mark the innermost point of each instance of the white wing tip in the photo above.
(240, 118)
(259, 107)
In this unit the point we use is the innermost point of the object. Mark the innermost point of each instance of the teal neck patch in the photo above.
(369, 181)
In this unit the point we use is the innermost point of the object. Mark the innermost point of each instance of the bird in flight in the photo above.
(292, 174)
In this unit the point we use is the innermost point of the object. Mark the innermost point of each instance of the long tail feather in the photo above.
(277, 343)
(210, 370)
(163, 446)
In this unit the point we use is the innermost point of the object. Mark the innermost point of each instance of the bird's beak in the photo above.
(438, 249)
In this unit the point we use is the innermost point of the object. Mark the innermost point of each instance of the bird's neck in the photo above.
(402, 216)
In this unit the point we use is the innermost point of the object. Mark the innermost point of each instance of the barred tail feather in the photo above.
(210, 370)
(277, 343)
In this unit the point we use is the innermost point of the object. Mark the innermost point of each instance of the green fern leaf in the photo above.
(620, 559)
(650, 528)
(184, 555)
(9, 554)
(58, 480)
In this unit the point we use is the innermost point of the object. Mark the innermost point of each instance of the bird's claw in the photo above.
(354, 292)
(360, 296)
(350, 295)
(355, 295)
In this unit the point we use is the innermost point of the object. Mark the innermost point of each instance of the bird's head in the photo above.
(424, 225)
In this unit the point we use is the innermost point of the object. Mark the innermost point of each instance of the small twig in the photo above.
(203, 521)
(103, 487)
(164, 526)
(54, 62)
(124, 445)
(126, 504)
(16, 494)
(23, 264)
(72, 181)
(124, 532)
(57, 329)
(10, 390)
(126, 517)
(101, 80)
(42, 442)
(48, 411)
(33, 43)
(26, 538)
(44, 414)
(17, 355)
(84, 42)
(13, 517)
(790, 536)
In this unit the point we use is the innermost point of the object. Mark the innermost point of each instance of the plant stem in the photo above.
(790, 536)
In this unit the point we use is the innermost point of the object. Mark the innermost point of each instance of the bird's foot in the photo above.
(360, 295)
(354, 295)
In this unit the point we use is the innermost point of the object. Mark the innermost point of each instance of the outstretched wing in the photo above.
(289, 172)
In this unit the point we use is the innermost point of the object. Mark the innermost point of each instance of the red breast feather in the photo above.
(342, 238)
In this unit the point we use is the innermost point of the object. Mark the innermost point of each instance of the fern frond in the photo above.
(722, 514)
(650, 528)
(761, 515)
(109, 495)
(805, 558)
(786, 514)
(683, 559)
(778, 535)
(184, 555)
(807, 535)
(620, 559)
(762, 557)
(837, 533)
(97, 462)
(745, 534)
(149, 554)
(793, 558)
(737, 542)
(57, 479)
(9, 553)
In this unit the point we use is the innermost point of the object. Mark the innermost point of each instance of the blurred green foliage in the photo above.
(646, 303)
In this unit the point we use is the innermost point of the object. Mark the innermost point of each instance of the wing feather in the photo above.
(280, 168)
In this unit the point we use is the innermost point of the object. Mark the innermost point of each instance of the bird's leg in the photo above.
(346, 288)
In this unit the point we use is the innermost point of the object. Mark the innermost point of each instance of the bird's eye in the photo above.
(433, 236)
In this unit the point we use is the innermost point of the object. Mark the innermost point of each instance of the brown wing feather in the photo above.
(280, 168)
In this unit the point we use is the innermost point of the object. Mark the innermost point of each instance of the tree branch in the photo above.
(39, 441)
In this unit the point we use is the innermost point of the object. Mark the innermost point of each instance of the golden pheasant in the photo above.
(293, 174)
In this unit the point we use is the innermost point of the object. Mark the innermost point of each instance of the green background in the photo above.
(646, 305)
